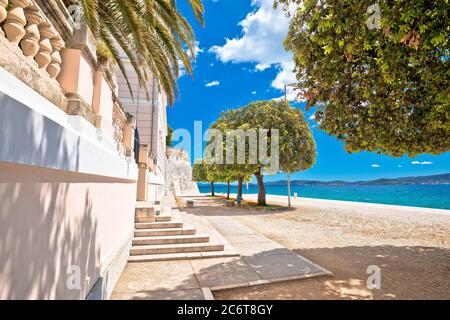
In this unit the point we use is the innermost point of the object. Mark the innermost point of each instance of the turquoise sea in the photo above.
(421, 195)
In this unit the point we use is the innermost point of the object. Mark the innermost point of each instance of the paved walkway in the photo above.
(261, 261)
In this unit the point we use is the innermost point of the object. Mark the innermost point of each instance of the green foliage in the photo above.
(152, 34)
(169, 136)
(200, 172)
(297, 146)
(385, 90)
(229, 120)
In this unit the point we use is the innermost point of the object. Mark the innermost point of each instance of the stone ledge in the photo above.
(76, 106)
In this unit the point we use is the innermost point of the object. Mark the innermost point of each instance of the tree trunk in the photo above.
(261, 189)
(240, 182)
(212, 189)
(228, 190)
(289, 189)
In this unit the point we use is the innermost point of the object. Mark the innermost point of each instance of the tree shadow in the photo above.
(41, 237)
(216, 206)
(42, 230)
(407, 272)
(46, 148)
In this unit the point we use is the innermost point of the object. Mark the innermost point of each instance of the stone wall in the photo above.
(179, 173)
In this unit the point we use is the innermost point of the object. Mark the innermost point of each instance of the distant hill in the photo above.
(433, 179)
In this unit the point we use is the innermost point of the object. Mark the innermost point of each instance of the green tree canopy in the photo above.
(230, 120)
(169, 136)
(297, 149)
(385, 88)
(200, 172)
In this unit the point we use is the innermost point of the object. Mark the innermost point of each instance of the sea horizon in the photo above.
(434, 196)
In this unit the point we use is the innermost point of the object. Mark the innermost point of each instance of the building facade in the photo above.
(68, 174)
(149, 109)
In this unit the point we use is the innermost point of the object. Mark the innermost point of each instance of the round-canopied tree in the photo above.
(235, 171)
(378, 74)
(200, 174)
(297, 149)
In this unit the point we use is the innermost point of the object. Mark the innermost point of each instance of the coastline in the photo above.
(315, 202)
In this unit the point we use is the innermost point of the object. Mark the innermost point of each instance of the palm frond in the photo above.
(152, 34)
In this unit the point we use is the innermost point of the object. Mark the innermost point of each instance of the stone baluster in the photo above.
(3, 13)
(16, 21)
(117, 130)
(54, 67)
(128, 135)
(30, 42)
(43, 57)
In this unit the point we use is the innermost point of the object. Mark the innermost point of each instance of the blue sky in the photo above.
(240, 59)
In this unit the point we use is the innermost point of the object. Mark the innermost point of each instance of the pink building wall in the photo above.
(52, 220)
(76, 74)
(66, 201)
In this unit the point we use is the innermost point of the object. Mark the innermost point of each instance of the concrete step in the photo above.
(159, 225)
(164, 232)
(170, 239)
(182, 256)
(175, 248)
(144, 219)
(163, 218)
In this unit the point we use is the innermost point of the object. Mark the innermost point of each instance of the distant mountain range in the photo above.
(433, 179)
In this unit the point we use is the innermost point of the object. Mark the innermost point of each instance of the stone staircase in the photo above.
(170, 235)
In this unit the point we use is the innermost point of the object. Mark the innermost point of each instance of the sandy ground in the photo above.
(411, 246)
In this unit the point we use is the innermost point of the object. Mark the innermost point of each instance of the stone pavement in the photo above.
(261, 261)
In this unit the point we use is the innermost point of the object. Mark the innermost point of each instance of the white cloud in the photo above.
(254, 92)
(262, 67)
(312, 117)
(212, 83)
(376, 165)
(264, 31)
(422, 163)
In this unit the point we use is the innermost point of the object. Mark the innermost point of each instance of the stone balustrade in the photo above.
(119, 120)
(27, 27)
(41, 45)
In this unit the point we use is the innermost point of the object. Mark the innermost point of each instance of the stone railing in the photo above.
(30, 46)
(26, 24)
(119, 120)
(41, 46)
